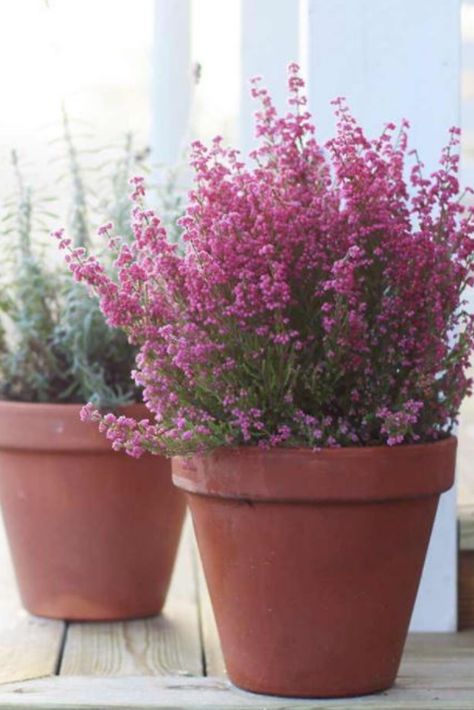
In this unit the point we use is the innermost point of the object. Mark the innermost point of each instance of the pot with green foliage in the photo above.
(93, 533)
(305, 359)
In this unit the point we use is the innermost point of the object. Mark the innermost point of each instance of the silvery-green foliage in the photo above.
(54, 343)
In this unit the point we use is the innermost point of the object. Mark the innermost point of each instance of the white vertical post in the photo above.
(172, 80)
(394, 59)
(269, 42)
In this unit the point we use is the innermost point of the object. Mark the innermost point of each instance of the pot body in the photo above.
(313, 559)
(93, 533)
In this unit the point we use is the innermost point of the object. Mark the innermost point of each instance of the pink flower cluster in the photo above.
(318, 301)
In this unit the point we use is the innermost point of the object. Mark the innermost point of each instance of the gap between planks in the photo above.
(183, 641)
(168, 644)
(213, 659)
(173, 644)
(436, 673)
(30, 647)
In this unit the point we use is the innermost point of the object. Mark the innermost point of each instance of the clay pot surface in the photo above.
(93, 533)
(313, 559)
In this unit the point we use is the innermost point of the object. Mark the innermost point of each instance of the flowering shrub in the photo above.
(318, 302)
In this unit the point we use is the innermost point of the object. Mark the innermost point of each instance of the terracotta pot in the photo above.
(93, 533)
(313, 559)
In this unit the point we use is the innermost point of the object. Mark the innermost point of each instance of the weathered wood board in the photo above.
(30, 647)
(169, 644)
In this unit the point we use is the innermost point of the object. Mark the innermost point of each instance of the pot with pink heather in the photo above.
(305, 359)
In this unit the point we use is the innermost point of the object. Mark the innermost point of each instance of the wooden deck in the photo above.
(174, 661)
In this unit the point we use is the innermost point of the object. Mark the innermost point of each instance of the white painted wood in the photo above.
(394, 59)
(391, 59)
(436, 673)
(172, 80)
(467, 90)
(168, 644)
(29, 646)
(269, 42)
(436, 605)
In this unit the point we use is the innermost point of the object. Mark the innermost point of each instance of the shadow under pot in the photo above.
(313, 559)
(93, 533)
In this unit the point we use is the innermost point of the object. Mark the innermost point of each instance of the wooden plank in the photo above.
(466, 567)
(436, 673)
(213, 658)
(29, 646)
(423, 647)
(466, 527)
(168, 644)
(466, 589)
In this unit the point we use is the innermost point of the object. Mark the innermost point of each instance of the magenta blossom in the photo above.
(318, 300)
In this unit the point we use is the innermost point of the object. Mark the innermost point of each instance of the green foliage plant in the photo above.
(55, 345)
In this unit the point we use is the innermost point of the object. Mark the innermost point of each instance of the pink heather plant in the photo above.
(318, 301)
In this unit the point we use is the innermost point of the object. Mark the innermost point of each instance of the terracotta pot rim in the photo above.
(38, 426)
(301, 474)
(324, 450)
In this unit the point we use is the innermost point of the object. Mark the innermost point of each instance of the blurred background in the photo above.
(93, 58)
